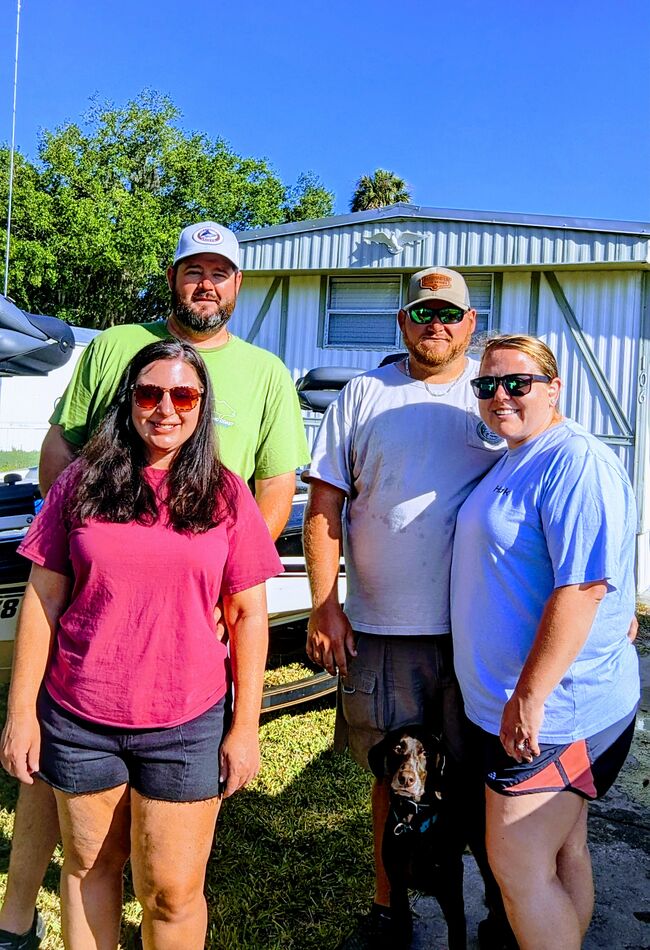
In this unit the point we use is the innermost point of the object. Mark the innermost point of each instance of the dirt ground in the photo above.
(619, 841)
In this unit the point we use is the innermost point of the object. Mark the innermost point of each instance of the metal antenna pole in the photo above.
(11, 153)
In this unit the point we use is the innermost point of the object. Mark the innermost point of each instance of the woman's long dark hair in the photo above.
(200, 492)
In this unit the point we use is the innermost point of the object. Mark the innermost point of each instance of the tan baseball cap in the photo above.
(437, 283)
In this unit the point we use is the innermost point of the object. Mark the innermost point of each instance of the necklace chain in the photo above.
(427, 386)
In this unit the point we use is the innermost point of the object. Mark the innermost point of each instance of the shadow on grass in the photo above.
(289, 870)
(292, 859)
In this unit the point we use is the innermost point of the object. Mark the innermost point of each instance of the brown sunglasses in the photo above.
(184, 398)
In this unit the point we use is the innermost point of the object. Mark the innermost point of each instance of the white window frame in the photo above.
(403, 282)
(380, 347)
(490, 311)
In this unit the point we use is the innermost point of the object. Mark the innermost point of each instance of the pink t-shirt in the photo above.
(137, 646)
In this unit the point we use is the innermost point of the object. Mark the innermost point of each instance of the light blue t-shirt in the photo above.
(556, 511)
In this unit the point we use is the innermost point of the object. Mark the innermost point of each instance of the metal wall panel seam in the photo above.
(264, 309)
(533, 303)
(642, 447)
(284, 310)
(582, 344)
(497, 297)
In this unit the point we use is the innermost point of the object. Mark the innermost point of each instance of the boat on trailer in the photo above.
(32, 346)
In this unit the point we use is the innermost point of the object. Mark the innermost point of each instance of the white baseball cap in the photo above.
(207, 237)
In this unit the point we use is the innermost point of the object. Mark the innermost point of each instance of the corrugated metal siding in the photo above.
(515, 303)
(447, 243)
(249, 302)
(607, 306)
(303, 351)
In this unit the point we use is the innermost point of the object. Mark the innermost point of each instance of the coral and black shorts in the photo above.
(587, 767)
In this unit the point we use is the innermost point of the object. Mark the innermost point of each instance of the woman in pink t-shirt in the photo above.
(119, 689)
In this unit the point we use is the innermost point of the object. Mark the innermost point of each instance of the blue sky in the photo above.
(502, 106)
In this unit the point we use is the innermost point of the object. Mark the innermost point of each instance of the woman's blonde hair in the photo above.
(530, 345)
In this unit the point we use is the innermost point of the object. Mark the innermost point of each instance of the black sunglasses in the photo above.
(423, 315)
(184, 398)
(515, 384)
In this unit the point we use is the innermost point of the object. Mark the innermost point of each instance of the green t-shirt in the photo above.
(257, 416)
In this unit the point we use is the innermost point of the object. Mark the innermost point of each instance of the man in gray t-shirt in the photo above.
(396, 456)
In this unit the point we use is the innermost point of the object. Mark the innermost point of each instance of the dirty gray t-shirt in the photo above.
(407, 455)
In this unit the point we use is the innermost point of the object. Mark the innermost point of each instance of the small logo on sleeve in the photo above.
(487, 435)
(502, 490)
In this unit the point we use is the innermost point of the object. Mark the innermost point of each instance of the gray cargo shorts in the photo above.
(395, 680)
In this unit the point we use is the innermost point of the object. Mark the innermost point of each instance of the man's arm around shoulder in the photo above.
(56, 455)
(330, 639)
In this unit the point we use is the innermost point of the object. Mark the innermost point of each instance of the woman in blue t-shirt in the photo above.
(542, 599)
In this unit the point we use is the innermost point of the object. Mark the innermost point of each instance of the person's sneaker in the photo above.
(374, 931)
(27, 941)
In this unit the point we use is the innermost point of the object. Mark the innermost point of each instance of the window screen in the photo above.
(362, 312)
(481, 297)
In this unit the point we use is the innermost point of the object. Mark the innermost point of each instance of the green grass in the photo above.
(291, 863)
(17, 459)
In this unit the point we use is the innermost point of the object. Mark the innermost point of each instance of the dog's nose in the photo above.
(407, 779)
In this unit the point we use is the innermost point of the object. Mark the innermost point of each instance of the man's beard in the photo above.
(435, 358)
(190, 319)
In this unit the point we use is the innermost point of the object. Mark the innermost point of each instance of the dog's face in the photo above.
(407, 767)
(410, 757)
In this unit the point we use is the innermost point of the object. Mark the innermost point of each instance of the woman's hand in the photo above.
(520, 725)
(20, 746)
(563, 630)
(239, 759)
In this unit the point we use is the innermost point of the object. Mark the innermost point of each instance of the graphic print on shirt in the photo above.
(224, 413)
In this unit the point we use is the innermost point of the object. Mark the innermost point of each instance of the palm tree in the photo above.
(378, 190)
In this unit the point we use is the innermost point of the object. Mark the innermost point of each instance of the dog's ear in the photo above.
(377, 757)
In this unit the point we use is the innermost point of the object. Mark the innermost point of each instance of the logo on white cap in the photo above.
(207, 236)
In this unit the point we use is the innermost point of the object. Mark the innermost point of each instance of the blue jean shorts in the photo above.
(177, 764)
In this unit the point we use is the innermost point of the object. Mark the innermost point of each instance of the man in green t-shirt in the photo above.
(261, 437)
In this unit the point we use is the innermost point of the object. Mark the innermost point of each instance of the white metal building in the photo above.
(326, 293)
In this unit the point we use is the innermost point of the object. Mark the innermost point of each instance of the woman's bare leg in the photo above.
(574, 870)
(526, 835)
(95, 832)
(170, 846)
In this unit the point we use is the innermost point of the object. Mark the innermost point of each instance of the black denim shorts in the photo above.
(587, 767)
(178, 764)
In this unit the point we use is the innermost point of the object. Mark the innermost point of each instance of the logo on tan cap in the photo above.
(435, 282)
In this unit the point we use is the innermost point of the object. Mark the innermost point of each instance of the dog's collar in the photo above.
(411, 816)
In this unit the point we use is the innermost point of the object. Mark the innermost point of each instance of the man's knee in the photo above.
(36, 831)
(36, 807)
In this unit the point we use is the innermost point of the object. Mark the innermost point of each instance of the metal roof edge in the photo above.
(403, 210)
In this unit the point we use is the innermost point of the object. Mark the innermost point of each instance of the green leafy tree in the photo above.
(379, 190)
(308, 199)
(112, 194)
(33, 264)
